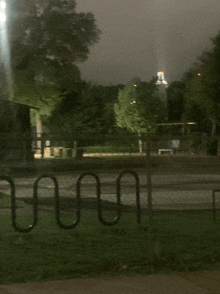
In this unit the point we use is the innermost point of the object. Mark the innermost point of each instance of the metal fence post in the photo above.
(42, 145)
(149, 181)
(214, 204)
(137, 192)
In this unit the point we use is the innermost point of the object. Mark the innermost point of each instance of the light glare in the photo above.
(2, 12)
(2, 4)
(2, 17)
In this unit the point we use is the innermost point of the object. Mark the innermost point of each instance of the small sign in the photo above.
(175, 143)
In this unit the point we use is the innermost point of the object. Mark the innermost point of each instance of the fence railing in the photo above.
(76, 145)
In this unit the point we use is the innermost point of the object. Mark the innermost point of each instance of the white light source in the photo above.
(2, 17)
(3, 4)
(2, 12)
(160, 78)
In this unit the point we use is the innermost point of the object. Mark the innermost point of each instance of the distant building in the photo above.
(162, 85)
(160, 79)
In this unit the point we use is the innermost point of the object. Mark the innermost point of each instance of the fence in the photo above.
(24, 146)
(70, 145)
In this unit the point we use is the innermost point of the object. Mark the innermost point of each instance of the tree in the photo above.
(197, 106)
(175, 97)
(140, 107)
(47, 38)
(203, 94)
(203, 89)
(88, 110)
(107, 95)
(76, 113)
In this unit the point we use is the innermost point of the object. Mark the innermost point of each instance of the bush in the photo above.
(111, 149)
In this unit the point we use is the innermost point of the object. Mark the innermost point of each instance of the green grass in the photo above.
(176, 241)
(5, 202)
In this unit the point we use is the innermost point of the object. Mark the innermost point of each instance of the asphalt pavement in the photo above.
(207, 282)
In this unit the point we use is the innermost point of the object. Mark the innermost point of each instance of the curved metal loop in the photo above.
(57, 200)
(78, 198)
(13, 208)
(98, 194)
(137, 188)
(13, 200)
(214, 203)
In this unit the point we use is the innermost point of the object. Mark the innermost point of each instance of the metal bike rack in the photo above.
(13, 208)
(137, 188)
(57, 202)
(78, 200)
(99, 203)
(213, 204)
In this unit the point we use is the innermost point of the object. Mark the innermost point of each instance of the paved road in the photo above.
(206, 282)
(173, 189)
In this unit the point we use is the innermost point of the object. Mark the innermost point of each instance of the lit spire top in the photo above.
(160, 78)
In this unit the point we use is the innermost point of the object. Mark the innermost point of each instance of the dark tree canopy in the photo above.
(175, 97)
(50, 32)
(47, 38)
(203, 90)
(89, 109)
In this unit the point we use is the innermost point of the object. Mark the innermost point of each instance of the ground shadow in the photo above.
(67, 203)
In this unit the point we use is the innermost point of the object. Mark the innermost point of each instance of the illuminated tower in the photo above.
(160, 78)
(162, 85)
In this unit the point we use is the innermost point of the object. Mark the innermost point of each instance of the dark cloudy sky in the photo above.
(141, 37)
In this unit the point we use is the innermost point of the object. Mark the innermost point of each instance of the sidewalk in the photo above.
(207, 282)
(160, 163)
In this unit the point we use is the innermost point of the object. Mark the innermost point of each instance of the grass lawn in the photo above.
(5, 202)
(176, 241)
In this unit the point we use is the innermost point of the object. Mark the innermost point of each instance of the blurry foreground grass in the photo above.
(176, 241)
(5, 202)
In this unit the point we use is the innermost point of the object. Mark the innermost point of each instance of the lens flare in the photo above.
(5, 50)
(2, 5)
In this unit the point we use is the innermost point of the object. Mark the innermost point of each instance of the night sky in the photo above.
(141, 37)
